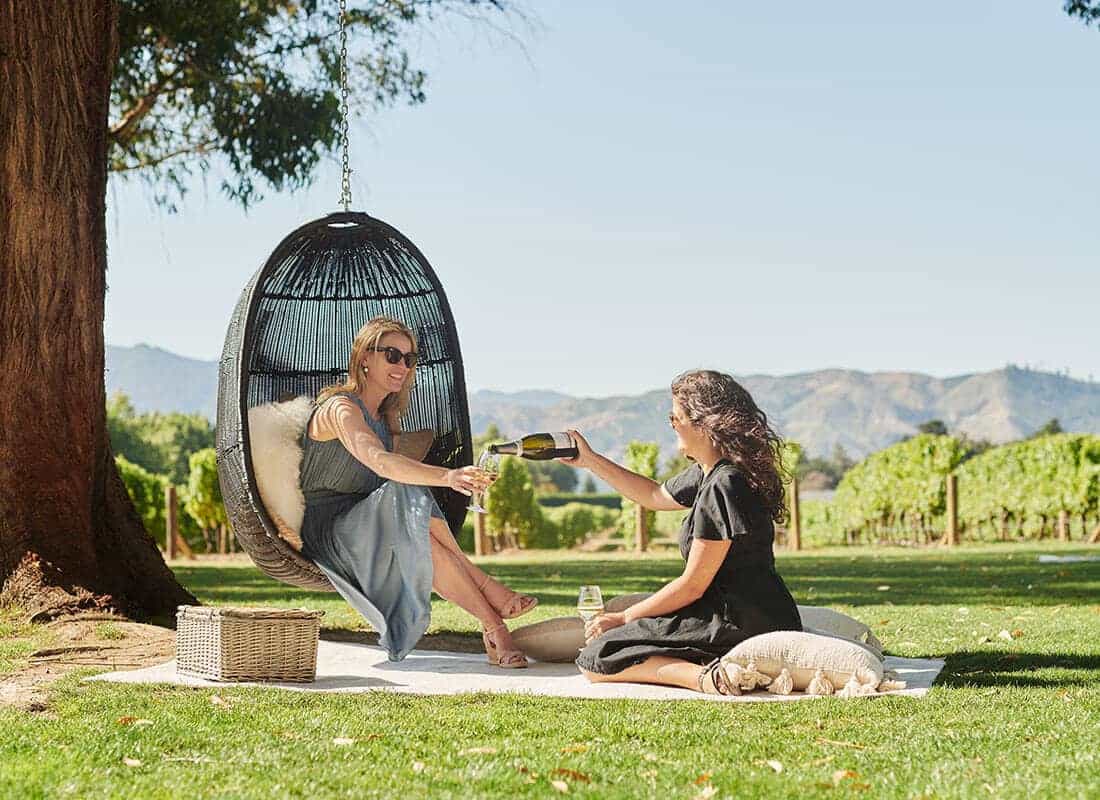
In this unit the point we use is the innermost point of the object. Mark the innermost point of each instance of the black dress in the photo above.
(747, 597)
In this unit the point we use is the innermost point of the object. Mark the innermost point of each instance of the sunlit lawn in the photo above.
(1013, 715)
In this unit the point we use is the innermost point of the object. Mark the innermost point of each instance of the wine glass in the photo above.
(589, 603)
(489, 464)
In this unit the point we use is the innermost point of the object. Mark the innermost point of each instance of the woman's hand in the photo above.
(467, 480)
(600, 625)
(585, 453)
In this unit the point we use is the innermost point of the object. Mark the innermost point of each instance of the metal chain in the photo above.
(345, 186)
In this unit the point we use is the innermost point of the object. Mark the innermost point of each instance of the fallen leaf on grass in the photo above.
(884, 588)
(572, 774)
(342, 741)
(575, 748)
(1017, 633)
(418, 766)
(776, 765)
(844, 775)
(649, 757)
(126, 720)
(484, 751)
(218, 700)
(131, 762)
(702, 779)
(561, 786)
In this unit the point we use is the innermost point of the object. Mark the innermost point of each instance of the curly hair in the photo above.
(719, 406)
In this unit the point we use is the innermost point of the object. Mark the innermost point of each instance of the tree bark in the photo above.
(70, 538)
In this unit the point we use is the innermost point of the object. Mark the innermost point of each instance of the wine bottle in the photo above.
(538, 447)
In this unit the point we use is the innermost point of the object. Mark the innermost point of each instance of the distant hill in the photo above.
(157, 380)
(860, 411)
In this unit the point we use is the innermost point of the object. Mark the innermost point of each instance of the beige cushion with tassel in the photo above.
(827, 620)
(802, 654)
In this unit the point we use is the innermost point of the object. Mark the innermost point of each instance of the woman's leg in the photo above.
(662, 670)
(496, 592)
(452, 582)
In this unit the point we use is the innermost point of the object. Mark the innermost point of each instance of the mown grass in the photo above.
(1013, 715)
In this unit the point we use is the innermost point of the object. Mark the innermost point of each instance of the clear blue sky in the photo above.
(756, 187)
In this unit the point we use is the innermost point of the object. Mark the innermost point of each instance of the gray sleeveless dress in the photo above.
(370, 537)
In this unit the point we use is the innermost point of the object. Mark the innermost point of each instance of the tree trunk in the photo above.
(70, 538)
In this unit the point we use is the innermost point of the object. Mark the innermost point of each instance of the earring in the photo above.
(365, 370)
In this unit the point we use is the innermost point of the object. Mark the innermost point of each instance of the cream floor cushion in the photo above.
(786, 661)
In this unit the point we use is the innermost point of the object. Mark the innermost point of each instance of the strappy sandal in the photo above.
(713, 680)
(516, 606)
(505, 659)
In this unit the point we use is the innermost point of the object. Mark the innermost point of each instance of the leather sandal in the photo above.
(713, 680)
(517, 604)
(505, 659)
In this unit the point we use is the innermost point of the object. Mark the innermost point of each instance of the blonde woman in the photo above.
(370, 523)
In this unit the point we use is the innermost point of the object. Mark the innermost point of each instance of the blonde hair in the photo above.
(369, 336)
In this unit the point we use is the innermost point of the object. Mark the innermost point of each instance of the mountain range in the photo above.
(860, 411)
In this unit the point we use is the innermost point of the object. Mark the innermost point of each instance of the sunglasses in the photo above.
(393, 356)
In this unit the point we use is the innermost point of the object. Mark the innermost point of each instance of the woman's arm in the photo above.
(702, 565)
(342, 419)
(644, 491)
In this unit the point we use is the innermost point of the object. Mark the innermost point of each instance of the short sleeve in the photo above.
(716, 516)
(684, 486)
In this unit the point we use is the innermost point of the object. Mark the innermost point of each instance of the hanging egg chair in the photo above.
(291, 335)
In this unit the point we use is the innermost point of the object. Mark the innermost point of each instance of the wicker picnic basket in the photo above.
(247, 644)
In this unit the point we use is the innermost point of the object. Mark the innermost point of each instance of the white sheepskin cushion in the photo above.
(848, 667)
(552, 640)
(275, 432)
(827, 620)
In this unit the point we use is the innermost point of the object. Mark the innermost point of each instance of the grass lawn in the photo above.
(1013, 715)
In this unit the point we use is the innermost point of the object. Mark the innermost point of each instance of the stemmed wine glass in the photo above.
(589, 603)
(489, 464)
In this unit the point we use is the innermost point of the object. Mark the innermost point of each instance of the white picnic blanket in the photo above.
(351, 668)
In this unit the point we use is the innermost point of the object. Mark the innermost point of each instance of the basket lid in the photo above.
(213, 612)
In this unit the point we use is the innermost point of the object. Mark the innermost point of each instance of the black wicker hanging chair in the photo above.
(291, 334)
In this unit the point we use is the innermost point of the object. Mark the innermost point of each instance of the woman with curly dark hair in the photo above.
(729, 589)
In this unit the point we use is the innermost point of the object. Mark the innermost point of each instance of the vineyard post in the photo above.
(796, 518)
(481, 546)
(1063, 526)
(643, 528)
(952, 510)
(170, 522)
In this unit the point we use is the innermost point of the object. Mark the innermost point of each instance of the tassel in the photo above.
(891, 686)
(820, 684)
(782, 683)
(853, 688)
(751, 677)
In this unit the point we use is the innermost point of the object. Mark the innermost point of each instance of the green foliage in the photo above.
(589, 485)
(905, 479)
(465, 537)
(640, 457)
(834, 466)
(1086, 10)
(571, 524)
(1028, 483)
(146, 490)
(674, 466)
(790, 456)
(159, 443)
(491, 435)
(254, 86)
(1049, 428)
(513, 512)
(936, 427)
(553, 476)
(614, 501)
(204, 495)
